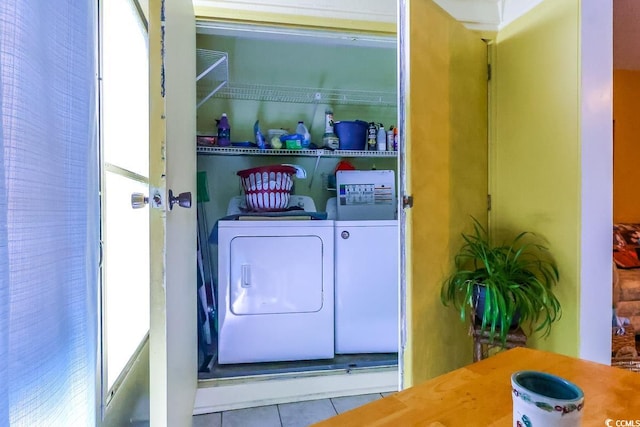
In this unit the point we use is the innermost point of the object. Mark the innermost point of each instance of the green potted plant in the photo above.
(506, 284)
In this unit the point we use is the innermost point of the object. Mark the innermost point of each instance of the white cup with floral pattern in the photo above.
(541, 399)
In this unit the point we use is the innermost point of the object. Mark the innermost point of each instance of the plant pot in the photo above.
(479, 297)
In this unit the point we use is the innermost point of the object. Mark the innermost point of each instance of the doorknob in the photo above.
(183, 200)
(138, 200)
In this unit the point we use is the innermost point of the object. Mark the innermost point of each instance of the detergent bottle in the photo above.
(301, 129)
(224, 131)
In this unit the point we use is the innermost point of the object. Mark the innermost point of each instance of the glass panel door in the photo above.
(125, 149)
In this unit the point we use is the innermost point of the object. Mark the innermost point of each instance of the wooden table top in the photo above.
(480, 394)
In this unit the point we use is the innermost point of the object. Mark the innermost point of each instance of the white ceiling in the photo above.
(492, 15)
(486, 15)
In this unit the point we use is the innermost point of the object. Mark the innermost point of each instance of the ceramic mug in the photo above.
(541, 399)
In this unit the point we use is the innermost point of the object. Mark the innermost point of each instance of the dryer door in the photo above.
(275, 274)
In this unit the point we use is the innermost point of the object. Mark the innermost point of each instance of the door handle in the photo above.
(245, 272)
(183, 199)
(138, 200)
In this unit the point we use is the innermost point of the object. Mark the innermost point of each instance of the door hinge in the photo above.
(488, 202)
(407, 202)
(488, 71)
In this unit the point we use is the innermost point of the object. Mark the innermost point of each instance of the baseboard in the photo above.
(225, 394)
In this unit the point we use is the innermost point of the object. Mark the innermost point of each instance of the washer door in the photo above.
(275, 274)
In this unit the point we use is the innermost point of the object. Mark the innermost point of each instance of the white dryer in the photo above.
(275, 287)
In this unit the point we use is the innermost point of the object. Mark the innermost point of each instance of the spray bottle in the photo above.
(372, 135)
(329, 138)
(381, 139)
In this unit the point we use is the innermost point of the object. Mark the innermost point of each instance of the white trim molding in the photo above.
(383, 11)
(228, 394)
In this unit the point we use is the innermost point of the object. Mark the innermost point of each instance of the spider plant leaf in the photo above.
(518, 276)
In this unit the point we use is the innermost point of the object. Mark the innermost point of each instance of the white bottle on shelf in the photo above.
(381, 139)
(329, 138)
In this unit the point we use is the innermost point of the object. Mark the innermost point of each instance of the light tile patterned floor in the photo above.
(297, 414)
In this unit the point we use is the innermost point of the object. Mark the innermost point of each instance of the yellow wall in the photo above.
(626, 151)
(447, 162)
(535, 161)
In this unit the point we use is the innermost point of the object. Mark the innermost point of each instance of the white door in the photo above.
(172, 165)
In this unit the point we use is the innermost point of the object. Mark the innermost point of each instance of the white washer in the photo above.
(366, 286)
(275, 287)
(366, 283)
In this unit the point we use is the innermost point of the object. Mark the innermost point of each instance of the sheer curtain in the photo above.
(49, 213)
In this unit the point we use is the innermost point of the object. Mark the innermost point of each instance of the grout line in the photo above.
(334, 406)
(279, 415)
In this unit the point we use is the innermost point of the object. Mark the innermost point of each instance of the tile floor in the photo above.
(297, 414)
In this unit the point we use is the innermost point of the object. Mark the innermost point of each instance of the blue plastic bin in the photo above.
(352, 134)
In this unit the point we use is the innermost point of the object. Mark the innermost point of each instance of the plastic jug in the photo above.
(224, 131)
(301, 129)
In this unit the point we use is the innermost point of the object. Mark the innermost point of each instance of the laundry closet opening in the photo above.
(300, 280)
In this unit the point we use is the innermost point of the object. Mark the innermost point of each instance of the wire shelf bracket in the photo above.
(212, 73)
